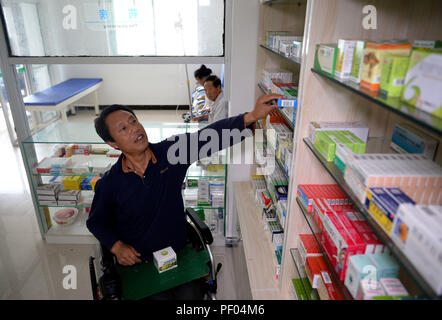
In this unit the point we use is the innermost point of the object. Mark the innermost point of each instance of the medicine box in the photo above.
(407, 139)
(344, 61)
(359, 266)
(383, 203)
(325, 145)
(299, 291)
(270, 34)
(297, 49)
(420, 243)
(358, 56)
(281, 192)
(368, 289)
(374, 59)
(338, 243)
(313, 271)
(327, 285)
(165, 259)
(393, 75)
(308, 247)
(423, 82)
(69, 195)
(360, 224)
(430, 44)
(72, 182)
(393, 287)
(342, 156)
(287, 103)
(386, 267)
(48, 189)
(325, 58)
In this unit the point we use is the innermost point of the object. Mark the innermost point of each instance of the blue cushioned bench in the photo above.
(61, 96)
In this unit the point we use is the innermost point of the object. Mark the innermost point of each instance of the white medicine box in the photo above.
(165, 259)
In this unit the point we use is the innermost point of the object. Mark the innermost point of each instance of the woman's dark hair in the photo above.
(100, 121)
(215, 80)
(202, 72)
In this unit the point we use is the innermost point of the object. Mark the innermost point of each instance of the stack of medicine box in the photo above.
(375, 268)
(417, 232)
(276, 234)
(281, 211)
(383, 204)
(275, 75)
(285, 40)
(302, 286)
(270, 34)
(275, 180)
(47, 194)
(72, 182)
(343, 232)
(88, 183)
(318, 273)
(418, 177)
(203, 192)
(68, 197)
(326, 143)
(279, 136)
(216, 187)
(53, 165)
(259, 186)
(290, 46)
(74, 149)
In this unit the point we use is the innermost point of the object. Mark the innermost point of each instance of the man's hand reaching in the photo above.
(262, 108)
(126, 255)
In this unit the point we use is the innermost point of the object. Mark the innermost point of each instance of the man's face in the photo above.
(212, 92)
(128, 134)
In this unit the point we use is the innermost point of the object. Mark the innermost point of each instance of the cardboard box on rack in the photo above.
(358, 61)
(393, 75)
(374, 61)
(420, 242)
(344, 62)
(326, 56)
(423, 81)
(308, 247)
(338, 244)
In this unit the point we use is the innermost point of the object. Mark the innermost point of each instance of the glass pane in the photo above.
(115, 27)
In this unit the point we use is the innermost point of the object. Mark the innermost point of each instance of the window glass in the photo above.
(115, 27)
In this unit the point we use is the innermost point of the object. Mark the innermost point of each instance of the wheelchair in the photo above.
(113, 278)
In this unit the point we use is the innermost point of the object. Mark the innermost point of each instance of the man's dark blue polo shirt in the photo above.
(148, 213)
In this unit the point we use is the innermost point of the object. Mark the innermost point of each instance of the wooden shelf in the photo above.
(407, 265)
(394, 105)
(294, 60)
(259, 254)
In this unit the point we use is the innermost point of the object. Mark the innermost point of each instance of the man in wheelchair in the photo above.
(138, 207)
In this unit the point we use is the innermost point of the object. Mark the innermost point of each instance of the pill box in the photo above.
(165, 259)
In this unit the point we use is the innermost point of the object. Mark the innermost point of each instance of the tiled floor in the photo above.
(32, 269)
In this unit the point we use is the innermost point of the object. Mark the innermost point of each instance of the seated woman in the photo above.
(199, 99)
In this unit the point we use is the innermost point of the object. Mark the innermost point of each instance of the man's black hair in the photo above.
(202, 72)
(100, 121)
(215, 80)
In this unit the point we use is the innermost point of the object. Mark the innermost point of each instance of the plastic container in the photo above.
(65, 216)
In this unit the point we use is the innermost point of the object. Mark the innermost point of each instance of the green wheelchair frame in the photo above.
(116, 282)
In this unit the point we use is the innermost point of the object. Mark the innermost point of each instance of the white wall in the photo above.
(155, 84)
(243, 57)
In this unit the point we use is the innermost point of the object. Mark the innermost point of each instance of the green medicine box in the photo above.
(325, 58)
(393, 75)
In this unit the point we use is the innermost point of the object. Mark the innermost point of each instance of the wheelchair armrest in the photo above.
(202, 228)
